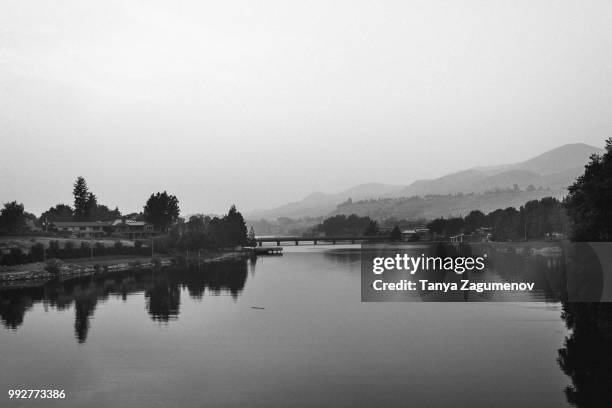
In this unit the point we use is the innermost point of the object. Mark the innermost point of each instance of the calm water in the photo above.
(194, 338)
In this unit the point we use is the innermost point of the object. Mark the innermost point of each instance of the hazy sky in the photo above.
(262, 102)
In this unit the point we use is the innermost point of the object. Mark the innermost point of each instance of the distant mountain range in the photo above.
(548, 174)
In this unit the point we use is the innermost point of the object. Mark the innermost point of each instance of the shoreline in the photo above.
(72, 268)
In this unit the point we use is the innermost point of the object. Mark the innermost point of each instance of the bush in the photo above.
(54, 249)
(53, 266)
(17, 256)
(100, 249)
(37, 252)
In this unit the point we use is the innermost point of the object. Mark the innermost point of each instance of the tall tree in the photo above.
(91, 206)
(236, 227)
(12, 218)
(161, 210)
(82, 199)
(588, 202)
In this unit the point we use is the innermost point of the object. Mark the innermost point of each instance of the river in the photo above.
(279, 331)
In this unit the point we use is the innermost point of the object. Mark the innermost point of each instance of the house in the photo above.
(417, 234)
(483, 234)
(132, 229)
(82, 229)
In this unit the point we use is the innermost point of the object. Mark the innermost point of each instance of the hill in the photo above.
(546, 174)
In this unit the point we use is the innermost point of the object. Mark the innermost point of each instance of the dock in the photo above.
(271, 250)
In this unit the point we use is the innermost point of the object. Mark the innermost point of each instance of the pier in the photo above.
(261, 250)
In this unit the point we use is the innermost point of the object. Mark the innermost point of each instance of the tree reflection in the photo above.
(586, 357)
(163, 299)
(162, 290)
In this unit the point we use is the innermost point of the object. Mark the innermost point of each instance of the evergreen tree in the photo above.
(235, 227)
(589, 198)
(82, 199)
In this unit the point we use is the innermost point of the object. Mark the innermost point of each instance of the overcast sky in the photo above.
(262, 102)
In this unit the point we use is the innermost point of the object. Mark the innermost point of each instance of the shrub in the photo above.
(54, 249)
(37, 252)
(100, 249)
(53, 266)
(17, 256)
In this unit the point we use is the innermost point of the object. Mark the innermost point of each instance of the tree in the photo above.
(82, 199)
(12, 218)
(235, 227)
(371, 229)
(101, 212)
(588, 201)
(161, 210)
(251, 237)
(474, 220)
(61, 212)
(343, 225)
(396, 234)
(90, 206)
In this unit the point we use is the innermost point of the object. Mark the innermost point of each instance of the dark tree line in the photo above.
(205, 232)
(533, 220)
(352, 225)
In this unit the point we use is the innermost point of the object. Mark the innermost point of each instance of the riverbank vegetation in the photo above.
(537, 219)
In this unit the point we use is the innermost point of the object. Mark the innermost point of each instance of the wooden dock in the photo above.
(272, 250)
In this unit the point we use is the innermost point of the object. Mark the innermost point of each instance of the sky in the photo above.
(259, 103)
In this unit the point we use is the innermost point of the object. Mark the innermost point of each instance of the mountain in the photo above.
(546, 174)
(448, 205)
(319, 204)
(557, 169)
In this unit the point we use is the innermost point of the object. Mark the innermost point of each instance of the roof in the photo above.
(129, 222)
(81, 223)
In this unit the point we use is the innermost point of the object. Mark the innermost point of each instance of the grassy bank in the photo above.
(63, 269)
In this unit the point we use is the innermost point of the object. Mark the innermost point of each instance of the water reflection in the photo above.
(586, 356)
(162, 290)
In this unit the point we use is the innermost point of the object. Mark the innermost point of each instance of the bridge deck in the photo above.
(315, 240)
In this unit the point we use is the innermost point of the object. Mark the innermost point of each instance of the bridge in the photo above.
(325, 240)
